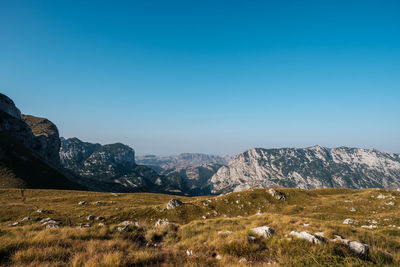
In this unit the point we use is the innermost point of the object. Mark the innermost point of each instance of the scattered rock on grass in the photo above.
(50, 223)
(242, 260)
(356, 247)
(82, 203)
(276, 195)
(225, 232)
(174, 203)
(162, 222)
(129, 223)
(263, 231)
(122, 228)
(52, 226)
(372, 226)
(350, 221)
(252, 238)
(91, 217)
(306, 236)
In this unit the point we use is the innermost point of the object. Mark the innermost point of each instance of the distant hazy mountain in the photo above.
(190, 172)
(181, 160)
(313, 167)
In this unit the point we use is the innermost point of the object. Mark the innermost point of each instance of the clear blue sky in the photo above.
(207, 76)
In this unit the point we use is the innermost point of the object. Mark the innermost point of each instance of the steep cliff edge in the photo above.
(29, 151)
(47, 140)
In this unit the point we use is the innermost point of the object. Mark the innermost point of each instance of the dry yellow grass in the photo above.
(191, 240)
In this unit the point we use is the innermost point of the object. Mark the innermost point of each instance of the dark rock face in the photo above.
(12, 123)
(8, 106)
(29, 150)
(38, 134)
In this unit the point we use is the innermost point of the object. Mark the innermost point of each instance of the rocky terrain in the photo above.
(313, 167)
(113, 168)
(109, 167)
(29, 150)
(47, 139)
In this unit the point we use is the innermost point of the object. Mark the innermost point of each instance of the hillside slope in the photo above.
(22, 168)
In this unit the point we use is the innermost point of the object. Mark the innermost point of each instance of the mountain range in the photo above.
(312, 167)
(113, 167)
(32, 155)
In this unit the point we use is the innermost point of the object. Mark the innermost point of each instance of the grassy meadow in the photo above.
(204, 231)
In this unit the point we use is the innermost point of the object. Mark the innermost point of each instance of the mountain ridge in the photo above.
(311, 167)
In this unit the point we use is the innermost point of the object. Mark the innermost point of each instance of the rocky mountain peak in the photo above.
(8, 106)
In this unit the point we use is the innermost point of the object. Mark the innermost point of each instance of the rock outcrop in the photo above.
(263, 231)
(47, 140)
(38, 134)
(8, 106)
(315, 239)
(29, 150)
(313, 167)
(174, 203)
(356, 247)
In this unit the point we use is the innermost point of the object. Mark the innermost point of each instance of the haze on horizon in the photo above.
(215, 77)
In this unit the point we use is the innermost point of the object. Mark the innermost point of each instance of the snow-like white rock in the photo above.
(338, 167)
(306, 236)
(263, 231)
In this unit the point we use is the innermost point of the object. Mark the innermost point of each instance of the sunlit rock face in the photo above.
(312, 167)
